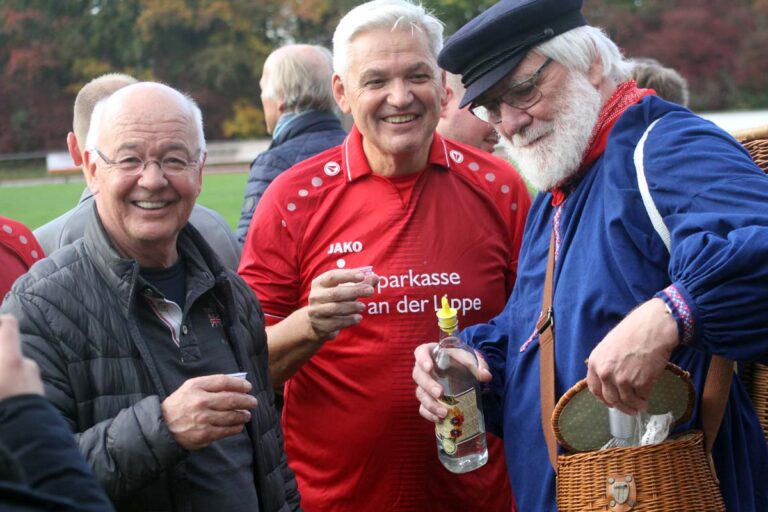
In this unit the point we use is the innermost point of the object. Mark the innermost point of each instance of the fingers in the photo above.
(10, 346)
(217, 383)
(617, 391)
(430, 409)
(227, 401)
(427, 390)
(335, 277)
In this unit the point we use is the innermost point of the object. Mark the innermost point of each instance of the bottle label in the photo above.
(462, 422)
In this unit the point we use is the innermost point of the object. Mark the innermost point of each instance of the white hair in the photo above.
(578, 48)
(383, 14)
(300, 77)
(101, 107)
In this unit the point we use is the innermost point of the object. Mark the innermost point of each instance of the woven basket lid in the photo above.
(580, 420)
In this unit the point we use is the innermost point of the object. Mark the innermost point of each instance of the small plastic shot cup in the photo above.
(367, 271)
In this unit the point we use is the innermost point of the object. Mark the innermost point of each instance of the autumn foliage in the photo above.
(214, 50)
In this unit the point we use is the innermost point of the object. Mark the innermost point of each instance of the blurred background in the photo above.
(215, 49)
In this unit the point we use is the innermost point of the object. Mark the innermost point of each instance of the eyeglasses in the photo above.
(133, 165)
(522, 96)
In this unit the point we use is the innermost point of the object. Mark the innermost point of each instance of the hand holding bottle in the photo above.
(428, 390)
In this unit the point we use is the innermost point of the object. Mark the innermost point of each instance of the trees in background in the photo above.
(215, 49)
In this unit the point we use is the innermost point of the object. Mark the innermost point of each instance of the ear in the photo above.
(89, 170)
(447, 92)
(281, 107)
(74, 149)
(340, 94)
(446, 100)
(595, 73)
(203, 158)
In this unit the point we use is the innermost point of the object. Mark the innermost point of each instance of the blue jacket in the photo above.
(308, 135)
(713, 199)
(40, 465)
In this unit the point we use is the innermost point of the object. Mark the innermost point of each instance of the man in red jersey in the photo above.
(431, 217)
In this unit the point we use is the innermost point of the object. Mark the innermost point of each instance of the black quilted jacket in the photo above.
(77, 319)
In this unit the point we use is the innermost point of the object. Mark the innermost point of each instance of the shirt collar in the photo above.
(355, 163)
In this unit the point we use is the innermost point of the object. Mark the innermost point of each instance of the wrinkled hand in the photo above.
(626, 364)
(333, 303)
(205, 409)
(427, 388)
(18, 375)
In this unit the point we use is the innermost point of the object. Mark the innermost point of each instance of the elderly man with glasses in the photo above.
(658, 230)
(151, 349)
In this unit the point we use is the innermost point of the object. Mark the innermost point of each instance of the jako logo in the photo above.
(345, 247)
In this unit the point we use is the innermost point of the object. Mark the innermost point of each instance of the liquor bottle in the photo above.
(461, 444)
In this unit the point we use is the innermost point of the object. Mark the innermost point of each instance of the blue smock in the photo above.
(714, 201)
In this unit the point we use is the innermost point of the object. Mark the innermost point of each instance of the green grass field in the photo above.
(34, 205)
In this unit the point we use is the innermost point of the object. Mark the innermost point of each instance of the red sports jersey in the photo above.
(18, 251)
(353, 433)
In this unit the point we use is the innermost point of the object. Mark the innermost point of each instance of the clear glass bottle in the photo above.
(461, 444)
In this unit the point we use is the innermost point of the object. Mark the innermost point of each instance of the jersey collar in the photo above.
(355, 163)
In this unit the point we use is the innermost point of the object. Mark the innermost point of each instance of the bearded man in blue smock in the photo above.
(626, 300)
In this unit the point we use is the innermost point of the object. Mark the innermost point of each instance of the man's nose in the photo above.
(400, 94)
(152, 175)
(512, 120)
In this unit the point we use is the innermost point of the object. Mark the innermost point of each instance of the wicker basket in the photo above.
(672, 476)
(754, 375)
(755, 378)
(675, 475)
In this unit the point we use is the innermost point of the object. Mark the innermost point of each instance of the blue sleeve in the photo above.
(491, 339)
(56, 475)
(714, 201)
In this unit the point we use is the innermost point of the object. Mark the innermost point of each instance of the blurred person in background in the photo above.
(18, 251)
(666, 82)
(300, 114)
(41, 468)
(460, 124)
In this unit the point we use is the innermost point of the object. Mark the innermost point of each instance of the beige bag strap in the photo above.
(545, 328)
(714, 397)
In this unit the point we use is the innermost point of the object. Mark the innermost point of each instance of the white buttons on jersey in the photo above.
(332, 169)
(474, 166)
(456, 156)
(184, 330)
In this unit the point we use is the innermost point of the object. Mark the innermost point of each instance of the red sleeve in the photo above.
(269, 263)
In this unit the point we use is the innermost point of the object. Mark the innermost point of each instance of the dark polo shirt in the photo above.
(190, 341)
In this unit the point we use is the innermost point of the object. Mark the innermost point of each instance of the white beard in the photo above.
(551, 162)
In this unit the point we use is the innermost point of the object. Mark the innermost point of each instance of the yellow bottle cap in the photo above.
(447, 316)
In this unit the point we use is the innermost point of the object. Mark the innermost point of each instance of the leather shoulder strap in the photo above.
(546, 329)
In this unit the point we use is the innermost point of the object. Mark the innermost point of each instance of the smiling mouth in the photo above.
(406, 118)
(151, 205)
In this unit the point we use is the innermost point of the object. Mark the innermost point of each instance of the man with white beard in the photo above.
(659, 233)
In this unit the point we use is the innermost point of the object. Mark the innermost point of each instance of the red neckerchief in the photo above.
(626, 95)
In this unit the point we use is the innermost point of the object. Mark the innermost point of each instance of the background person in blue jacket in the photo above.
(300, 113)
(558, 91)
(40, 465)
